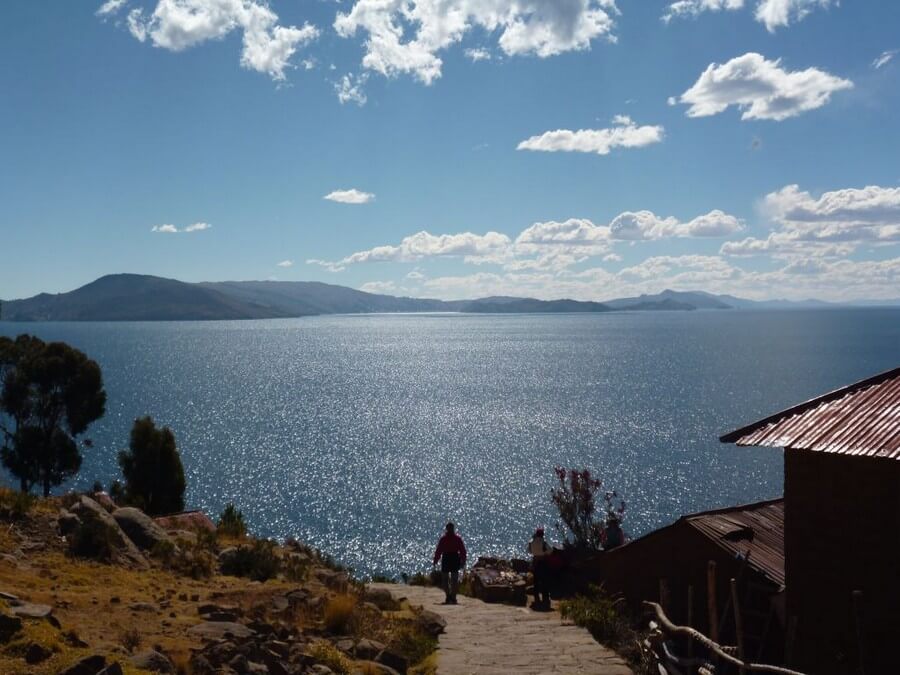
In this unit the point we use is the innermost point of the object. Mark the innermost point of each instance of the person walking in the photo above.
(540, 557)
(451, 551)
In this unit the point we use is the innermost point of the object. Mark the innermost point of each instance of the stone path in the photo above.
(489, 639)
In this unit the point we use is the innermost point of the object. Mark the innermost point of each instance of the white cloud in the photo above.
(884, 58)
(285, 263)
(352, 196)
(771, 13)
(760, 88)
(350, 89)
(166, 229)
(478, 54)
(834, 224)
(197, 227)
(625, 134)
(171, 229)
(382, 288)
(404, 37)
(110, 8)
(647, 225)
(177, 25)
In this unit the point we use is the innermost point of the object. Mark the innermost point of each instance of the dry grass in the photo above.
(331, 656)
(338, 615)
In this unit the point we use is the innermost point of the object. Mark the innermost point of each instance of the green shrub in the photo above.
(231, 522)
(601, 614)
(257, 561)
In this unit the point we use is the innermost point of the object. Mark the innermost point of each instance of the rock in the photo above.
(256, 668)
(371, 667)
(187, 520)
(140, 528)
(226, 554)
(336, 581)
(8, 597)
(28, 610)
(218, 630)
(71, 638)
(321, 669)
(112, 669)
(67, 522)
(432, 622)
(36, 653)
(153, 661)
(9, 626)
(90, 665)
(345, 645)
(211, 608)
(104, 500)
(143, 607)
(127, 553)
(381, 598)
(368, 649)
(393, 660)
(280, 603)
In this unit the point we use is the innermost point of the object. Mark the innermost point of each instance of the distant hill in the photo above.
(136, 297)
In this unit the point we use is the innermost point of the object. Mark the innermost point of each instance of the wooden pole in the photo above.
(738, 624)
(711, 605)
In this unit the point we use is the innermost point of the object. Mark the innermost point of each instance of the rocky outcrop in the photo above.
(141, 528)
(91, 514)
(153, 661)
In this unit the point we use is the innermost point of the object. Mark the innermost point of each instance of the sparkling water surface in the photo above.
(364, 434)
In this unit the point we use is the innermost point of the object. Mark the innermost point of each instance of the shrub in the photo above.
(130, 639)
(339, 614)
(257, 561)
(295, 568)
(231, 522)
(574, 499)
(93, 539)
(15, 505)
(329, 655)
(413, 643)
(154, 475)
(601, 614)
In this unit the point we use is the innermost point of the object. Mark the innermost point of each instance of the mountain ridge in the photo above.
(141, 297)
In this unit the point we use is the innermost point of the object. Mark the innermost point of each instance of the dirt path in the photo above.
(490, 639)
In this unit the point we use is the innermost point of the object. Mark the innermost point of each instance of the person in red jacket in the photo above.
(451, 551)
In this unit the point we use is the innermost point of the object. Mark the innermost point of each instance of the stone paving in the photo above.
(489, 639)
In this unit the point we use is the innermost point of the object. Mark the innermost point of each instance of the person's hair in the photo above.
(451, 527)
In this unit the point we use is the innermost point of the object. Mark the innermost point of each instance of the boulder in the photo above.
(393, 660)
(90, 665)
(372, 667)
(432, 622)
(382, 599)
(212, 608)
(367, 649)
(28, 610)
(112, 669)
(143, 607)
(67, 522)
(219, 630)
(141, 528)
(126, 552)
(36, 653)
(153, 661)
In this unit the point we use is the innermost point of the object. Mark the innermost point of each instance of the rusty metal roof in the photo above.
(862, 419)
(756, 530)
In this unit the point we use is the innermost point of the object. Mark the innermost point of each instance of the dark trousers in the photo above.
(541, 582)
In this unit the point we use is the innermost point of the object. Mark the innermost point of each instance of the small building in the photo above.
(671, 564)
(842, 525)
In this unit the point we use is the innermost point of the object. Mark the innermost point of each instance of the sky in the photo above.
(587, 149)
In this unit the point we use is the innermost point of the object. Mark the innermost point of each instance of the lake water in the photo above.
(363, 434)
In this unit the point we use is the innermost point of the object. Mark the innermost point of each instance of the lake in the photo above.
(363, 435)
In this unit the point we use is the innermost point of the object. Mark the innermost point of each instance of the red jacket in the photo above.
(451, 543)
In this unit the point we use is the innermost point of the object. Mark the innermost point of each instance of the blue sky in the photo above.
(568, 148)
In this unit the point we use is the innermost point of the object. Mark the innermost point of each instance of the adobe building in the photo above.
(841, 525)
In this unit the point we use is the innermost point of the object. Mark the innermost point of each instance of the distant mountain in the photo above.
(136, 297)
(669, 300)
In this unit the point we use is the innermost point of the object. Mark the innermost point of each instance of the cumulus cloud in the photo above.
(884, 58)
(285, 263)
(405, 37)
(172, 229)
(110, 8)
(771, 13)
(267, 46)
(760, 88)
(625, 134)
(478, 54)
(647, 225)
(833, 224)
(349, 89)
(352, 196)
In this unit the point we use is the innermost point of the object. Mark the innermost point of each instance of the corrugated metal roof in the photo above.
(862, 419)
(754, 529)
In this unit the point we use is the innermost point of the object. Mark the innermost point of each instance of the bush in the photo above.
(339, 614)
(257, 561)
(601, 614)
(15, 505)
(413, 643)
(94, 539)
(130, 639)
(574, 499)
(231, 522)
(329, 655)
(154, 475)
(295, 568)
